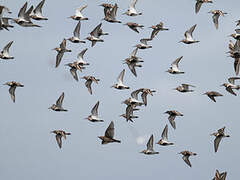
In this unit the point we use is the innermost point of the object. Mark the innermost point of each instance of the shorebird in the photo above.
(231, 85)
(78, 14)
(184, 88)
(133, 56)
(37, 12)
(24, 18)
(212, 95)
(216, 15)
(109, 134)
(186, 155)
(129, 113)
(3, 20)
(22, 15)
(234, 51)
(145, 92)
(172, 114)
(133, 61)
(74, 66)
(164, 141)
(4, 24)
(134, 26)
(143, 44)
(133, 100)
(12, 88)
(94, 114)
(76, 34)
(107, 8)
(188, 36)
(94, 35)
(218, 137)
(110, 15)
(4, 54)
(157, 28)
(174, 67)
(199, 4)
(80, 60)
(61, 50)
(59, 134)
(149, 150)
(220, 176)
(88, 83)
(132, 10)
(58, 105)
(119, 85)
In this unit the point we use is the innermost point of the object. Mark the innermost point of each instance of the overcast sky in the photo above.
(29, 151)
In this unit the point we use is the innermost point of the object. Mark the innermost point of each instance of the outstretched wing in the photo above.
(60, 100)
(165, 133)
(110, 131)
(76, 31)
(6, 48)
(198, 6)
(81, 54)
(188, 33)
(73, 71)
(38, 9)
(120, 77)
(132, 69)
(22, 11)
(186, 159)
(216, 142)
(59, 58)
(88, 84)
(150, 143)
(96, 30)
(59, 140)
(171, 120)
(63, 44)
(94, 110)
(12, 92)
(229, 89)
(79, 10)
(175, 63)
(144, 98)
(215, 20)
(212, 98)
(134, 53)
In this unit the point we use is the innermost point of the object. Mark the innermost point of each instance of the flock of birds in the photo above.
(133, 103)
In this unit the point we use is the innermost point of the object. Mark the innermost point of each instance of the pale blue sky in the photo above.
(29, 151)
